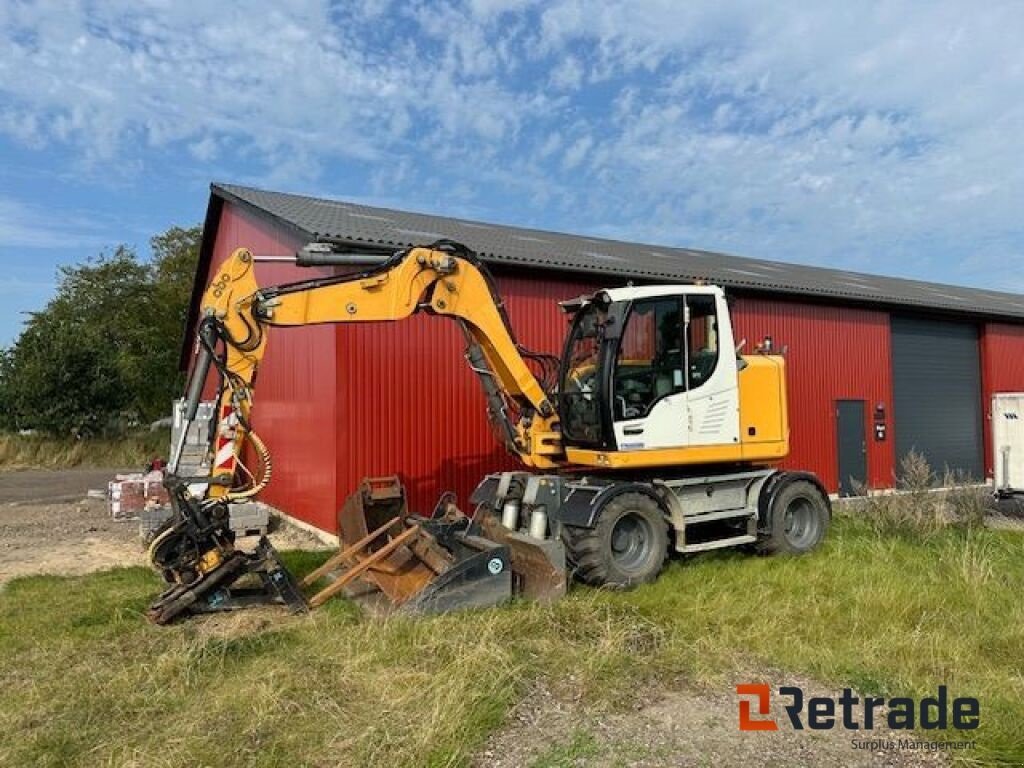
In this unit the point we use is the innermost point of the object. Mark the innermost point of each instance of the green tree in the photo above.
(103, 352)
(172, 273)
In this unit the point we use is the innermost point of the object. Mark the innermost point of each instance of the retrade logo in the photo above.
(763, 695)
(822, 713)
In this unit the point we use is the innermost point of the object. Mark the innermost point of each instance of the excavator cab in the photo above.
(649, 368)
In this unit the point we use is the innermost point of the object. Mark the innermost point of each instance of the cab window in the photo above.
(701, 340)
(649, 364)
(579, 396)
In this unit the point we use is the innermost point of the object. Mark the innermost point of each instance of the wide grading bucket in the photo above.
(419, 564)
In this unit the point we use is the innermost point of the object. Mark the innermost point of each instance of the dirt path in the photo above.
(48, 526)
(48, 486)
(67, 539)
(684, 726)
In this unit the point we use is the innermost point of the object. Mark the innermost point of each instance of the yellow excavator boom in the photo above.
(441, 280)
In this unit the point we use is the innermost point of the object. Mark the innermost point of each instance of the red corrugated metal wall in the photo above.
(336, 404)
(408, 403)
(1002, 370)
(296, 392)
(834, 353)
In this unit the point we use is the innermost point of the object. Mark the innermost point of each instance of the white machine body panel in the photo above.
(1008, 441)
(700, 402)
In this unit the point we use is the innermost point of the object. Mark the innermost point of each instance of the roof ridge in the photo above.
(342, 220)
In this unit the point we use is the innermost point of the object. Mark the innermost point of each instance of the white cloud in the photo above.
(110, 76)
(575, 154)
(23, 226)
(812, 133)
(884, 137)
(204, 149)
(568, 75)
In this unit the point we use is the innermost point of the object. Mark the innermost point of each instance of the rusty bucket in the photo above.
(419, 564)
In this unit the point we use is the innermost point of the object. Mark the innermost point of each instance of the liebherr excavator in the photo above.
(651, 433)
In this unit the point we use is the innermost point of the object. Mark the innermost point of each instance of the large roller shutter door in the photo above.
(937, 392)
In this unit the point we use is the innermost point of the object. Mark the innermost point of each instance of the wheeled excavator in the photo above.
(651, 433)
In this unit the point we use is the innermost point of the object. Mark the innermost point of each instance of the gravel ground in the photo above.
(66, 539)
(681, 726)
(45, 486)
(48, 526)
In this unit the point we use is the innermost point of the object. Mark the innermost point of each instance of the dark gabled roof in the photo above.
(359, 226)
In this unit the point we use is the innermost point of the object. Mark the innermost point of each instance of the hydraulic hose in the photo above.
(264, 454)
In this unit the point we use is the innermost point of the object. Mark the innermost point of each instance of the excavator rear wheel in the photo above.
(799, 520)
(626, 547)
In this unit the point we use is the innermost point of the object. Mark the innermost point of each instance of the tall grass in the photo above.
(87, 681)
(919, 508)
(38, 451)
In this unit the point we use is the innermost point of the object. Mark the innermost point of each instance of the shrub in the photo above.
(919, 507)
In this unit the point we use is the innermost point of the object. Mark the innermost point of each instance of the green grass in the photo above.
(42, 452)
(86, 681)
(580, 746)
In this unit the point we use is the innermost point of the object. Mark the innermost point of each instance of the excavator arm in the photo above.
(444, 279)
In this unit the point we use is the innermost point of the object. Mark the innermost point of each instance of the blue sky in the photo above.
(881, 138)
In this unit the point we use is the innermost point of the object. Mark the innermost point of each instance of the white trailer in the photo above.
(1008, 443)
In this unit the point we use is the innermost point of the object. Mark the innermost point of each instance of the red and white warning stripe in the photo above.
(224, 459)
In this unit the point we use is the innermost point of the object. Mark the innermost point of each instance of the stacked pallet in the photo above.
(195, 454)
(246, 519)
(250, 518)
(129, 494)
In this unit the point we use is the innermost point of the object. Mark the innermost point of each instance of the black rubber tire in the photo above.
(799, 517)
(627, 547)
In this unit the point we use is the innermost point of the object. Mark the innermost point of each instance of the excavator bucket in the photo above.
(420, 564)
(539, 569)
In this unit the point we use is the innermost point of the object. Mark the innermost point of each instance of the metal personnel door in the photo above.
(852, 448)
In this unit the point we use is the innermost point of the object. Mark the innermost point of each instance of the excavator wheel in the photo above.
(799, 520)
(628, 545)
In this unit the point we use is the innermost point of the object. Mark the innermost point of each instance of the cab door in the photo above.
(648, 383)
(712, 391)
